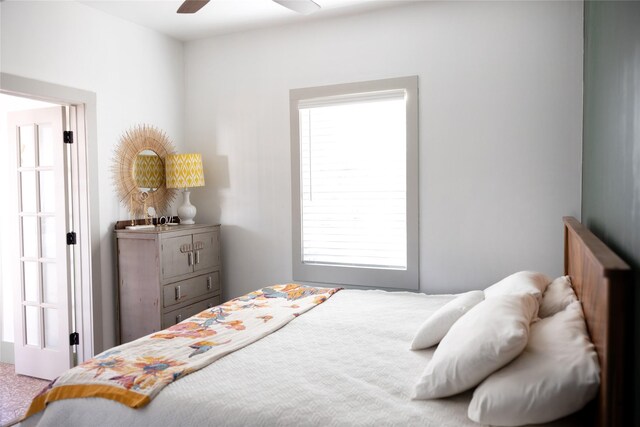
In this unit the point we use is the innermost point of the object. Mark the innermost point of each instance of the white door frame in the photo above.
(87, 226)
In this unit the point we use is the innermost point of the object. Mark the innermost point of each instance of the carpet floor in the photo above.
(16, 392)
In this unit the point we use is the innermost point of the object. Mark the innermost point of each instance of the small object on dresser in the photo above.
(140, 227)
(165, 221)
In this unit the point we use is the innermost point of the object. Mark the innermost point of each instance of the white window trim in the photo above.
(357, 276)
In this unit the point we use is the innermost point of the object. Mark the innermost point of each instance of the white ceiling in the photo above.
(224, 16)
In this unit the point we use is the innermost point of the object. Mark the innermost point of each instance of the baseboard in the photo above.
(6, 352)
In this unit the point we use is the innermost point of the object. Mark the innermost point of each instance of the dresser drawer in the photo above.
(185, 290)
(177, 316)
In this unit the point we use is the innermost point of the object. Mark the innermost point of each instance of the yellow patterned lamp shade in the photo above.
(184, 170)
(148, 171)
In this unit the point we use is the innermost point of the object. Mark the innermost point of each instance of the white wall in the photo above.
(137, 76)
(500, 131)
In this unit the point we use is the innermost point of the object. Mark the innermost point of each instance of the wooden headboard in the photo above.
(602, 282)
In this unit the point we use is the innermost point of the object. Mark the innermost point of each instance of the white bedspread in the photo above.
(344, 363)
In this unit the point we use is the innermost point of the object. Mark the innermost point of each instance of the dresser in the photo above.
(165, 275)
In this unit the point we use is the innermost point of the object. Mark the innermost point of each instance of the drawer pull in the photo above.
(179, 318)
(197, 257)
(209, 283)
(190, 259)
(209, 305)
(178, 293)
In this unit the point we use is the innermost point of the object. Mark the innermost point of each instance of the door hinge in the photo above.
(74, 338)
(67, 136)
(71, 238)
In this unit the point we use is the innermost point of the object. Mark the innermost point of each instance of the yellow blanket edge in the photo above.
(127, 397)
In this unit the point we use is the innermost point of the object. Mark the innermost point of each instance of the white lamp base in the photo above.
(186, 212)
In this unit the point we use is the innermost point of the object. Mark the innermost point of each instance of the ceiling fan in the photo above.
(301, 6)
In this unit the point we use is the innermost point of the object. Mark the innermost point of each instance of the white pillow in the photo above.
(556, 375)
(438, 324)
(521, 282)
(557, 297)
(485, 339)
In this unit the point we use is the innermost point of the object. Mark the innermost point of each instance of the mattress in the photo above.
(344, 363)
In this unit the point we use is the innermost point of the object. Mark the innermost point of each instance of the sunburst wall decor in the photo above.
(134, 142)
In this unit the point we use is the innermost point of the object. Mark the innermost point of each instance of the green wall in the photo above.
(611, 140)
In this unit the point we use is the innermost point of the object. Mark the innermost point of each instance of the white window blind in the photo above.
(353, 161)
(354, 183)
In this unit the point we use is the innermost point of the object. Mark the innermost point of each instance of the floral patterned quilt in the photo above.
(135, 372)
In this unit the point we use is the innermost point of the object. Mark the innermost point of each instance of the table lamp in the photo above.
(149, 171)
(184, 171)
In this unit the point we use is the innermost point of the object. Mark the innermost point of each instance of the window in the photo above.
(355, 183)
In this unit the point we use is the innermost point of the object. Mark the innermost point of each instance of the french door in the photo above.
(43, 295)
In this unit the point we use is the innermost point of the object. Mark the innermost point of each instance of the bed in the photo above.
(346, 362)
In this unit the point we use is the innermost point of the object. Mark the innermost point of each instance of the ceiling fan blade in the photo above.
(301, 6)
(192, 6)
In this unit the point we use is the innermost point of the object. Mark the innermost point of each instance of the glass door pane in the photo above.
(28, 191)
(30, 237)
(51, 332)
(47, 191)
(45, 145)
(27, 145)
(49, 283)
(32, 323)
(48, 227)
(31, 271)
